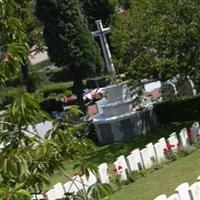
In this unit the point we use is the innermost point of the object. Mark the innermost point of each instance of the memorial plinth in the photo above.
(116, 121)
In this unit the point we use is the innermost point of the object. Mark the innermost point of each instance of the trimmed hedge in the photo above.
(54, 89)
(178, 110)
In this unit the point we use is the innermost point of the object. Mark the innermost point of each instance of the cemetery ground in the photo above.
(164, 180)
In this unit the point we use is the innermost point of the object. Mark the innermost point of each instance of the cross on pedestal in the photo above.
(101, 32)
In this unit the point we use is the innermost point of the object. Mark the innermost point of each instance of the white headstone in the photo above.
(89, 181)
(40, 129)
(121, 169)
(73, 186)
(198, 178)
(37, 197)
(174, 197)
(138, 165)
(59, 191)
(194, 191)
(147, 162)
(173, 141)
(183, 136)
(133, 165)
(51, 194)
(161, 197)
(103, 173)
(162, 142)
(183, 191)
(195, 129)
(159, 149)
(151, 152)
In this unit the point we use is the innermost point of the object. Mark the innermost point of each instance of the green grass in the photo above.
(109, 153)
(163, 181)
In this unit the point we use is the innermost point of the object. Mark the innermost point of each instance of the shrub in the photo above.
(55, 89)
(178, 110)
(9, 94)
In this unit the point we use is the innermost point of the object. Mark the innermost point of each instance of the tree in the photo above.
(99, 9)
(33, 30)
(70, 44)
(27, 162)
(158, 38)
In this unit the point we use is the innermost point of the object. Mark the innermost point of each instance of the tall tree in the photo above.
(99, 9)
(33, 30)
(158, 38)
(70, 44)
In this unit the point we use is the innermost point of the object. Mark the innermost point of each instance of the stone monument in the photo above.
(116, 121)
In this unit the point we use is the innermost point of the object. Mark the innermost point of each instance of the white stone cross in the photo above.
(101, 32)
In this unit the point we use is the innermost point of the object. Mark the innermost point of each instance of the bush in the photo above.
(178, 110)
(53, 90)
(9, 94)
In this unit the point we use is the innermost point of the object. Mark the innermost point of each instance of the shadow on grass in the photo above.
(109, 153)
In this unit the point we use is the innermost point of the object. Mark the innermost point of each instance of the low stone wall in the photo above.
(126, 127)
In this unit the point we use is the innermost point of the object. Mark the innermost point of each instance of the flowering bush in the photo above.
(169, 153)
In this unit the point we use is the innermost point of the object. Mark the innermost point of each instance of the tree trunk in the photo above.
(78, 90)
(26, 78)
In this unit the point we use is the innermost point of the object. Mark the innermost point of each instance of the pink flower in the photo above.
(189, 133)
(178, 144)
(119, 167)
(198, 136)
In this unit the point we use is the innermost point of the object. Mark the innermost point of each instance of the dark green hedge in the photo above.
(178, 110)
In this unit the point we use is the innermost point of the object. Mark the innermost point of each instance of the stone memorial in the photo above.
(59, 191)
(195, 129)
(151, 152)
(183, 191)
(173, 141)
(159, 151)
(135, 161)
(162, 142)
(51, 194)
(174, 197)
(103, 173)
(89, 181)
(161, 197)
(117, 122)
(121, 167)
(146, 158)
(73, 186)
(183, 136)
(194, 191)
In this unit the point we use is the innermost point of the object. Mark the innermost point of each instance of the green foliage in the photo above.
(101, 9)
(53, 89)
(185, 151)
(13, 49)
(178, 110)
(9, 94)
(158, 38)
(70, 44)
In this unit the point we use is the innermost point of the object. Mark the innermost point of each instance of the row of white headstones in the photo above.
(184, 192)
(137, 160)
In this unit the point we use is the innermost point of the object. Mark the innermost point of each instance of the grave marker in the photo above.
(103, 173)
(161, 197)
(184, 139)
(147, 162)
(173, 141)
(183, 191)
(194, 191)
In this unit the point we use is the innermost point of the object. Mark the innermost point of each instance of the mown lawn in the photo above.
(163, 181)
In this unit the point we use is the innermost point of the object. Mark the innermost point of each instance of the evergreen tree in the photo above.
(99, 9)
(70, 44)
